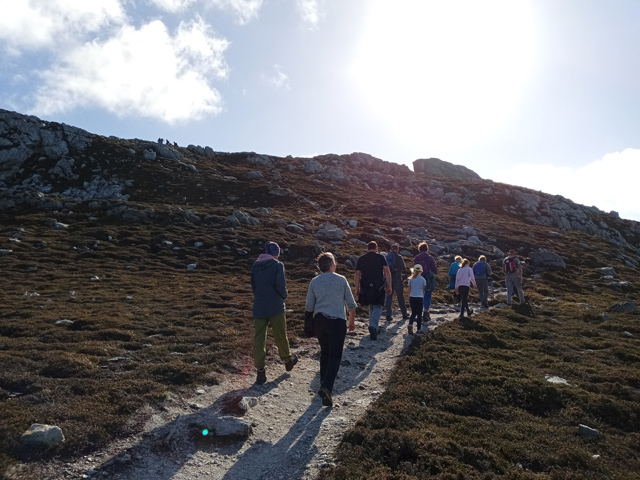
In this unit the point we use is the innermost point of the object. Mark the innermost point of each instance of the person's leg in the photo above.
(322, 332)
(401, 303)
(419, 306)
(509, 282)
(518, 285)
(414, 309)
(375, 312)
(337, 333)
(388, 303)
(464, 299)
(279, 328)
(427, 299)
(260, 326)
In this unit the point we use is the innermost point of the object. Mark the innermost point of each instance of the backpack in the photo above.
(478, 268)
(392, 262)
(431, 282)
(509, 265)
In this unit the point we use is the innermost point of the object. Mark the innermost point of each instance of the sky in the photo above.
(538, 93)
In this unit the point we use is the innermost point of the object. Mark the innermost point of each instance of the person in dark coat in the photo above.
(270, 291)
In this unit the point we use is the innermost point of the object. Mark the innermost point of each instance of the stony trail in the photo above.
(293, 437)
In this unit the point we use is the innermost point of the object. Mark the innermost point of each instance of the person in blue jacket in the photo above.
(269, 291)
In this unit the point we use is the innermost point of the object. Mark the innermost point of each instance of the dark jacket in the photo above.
(269, 287)
(427, 262)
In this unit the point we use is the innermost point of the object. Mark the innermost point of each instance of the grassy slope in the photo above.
(487, 404)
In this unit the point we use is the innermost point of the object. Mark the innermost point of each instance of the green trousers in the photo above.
(279, 327)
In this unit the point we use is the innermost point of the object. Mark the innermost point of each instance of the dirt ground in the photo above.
(293, 437)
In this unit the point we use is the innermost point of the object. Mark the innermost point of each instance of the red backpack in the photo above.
(509, 265)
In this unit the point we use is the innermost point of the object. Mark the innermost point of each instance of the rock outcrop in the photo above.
(435, 167)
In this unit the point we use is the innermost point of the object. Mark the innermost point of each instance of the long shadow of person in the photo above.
(295, 448)
(163, 451)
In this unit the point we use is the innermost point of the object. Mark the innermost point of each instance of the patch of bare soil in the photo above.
(293, 437)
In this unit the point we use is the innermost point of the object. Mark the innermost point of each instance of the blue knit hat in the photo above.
(272, 248)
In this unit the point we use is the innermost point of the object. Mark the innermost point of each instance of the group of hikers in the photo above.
(377, 278)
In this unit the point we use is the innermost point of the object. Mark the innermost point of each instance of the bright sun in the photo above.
(444, 74)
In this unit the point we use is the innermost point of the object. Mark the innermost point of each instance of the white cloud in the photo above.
(143, 72)
(607, 183)
(277, 78)
(34, 24)
(309, 11)
(173, 5)
(244, 10)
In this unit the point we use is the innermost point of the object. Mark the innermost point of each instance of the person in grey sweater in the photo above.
(270, 291)
(327, 296)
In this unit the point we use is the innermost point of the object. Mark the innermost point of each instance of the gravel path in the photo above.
(293, 434)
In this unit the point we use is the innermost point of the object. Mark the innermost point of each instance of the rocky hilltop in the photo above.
(46, 165)
(125, 268)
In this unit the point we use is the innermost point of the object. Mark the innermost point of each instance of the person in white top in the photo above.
(417, 284)
(464, 280)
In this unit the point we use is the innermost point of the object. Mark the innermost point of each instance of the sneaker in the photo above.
(410, 328)
(291, 363)
(406, 317)
(262, 376)
(426, 316)
(469, 312)
(373, 333)
(420, 332)
(326, 397)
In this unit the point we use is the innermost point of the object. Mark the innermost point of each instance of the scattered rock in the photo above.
(330, 234)
(606, 271)
(546, 259)
(40, 435)
(623, 307)
(588, 431)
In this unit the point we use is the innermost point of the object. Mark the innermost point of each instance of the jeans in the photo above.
(416, 304)
(427, 299)
(331, 333)
(398, 288)
(483, 290)
(464, 299)
(375, 312)
(513, 282)
(279, 327)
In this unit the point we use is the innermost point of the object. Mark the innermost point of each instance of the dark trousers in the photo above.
(331, 333)
(398, 289)
(464, 299)
(416, 304)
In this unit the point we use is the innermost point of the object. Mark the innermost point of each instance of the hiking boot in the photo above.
(426, 316)
(291, 363)
(262, 376)
(373, 333)
(469, 312)
(420, 332)
(410, 329)
(406, 317)
(326, 397)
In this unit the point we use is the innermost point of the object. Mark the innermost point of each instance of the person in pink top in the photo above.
(464, 280)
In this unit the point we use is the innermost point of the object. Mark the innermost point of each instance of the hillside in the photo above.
(125, 278)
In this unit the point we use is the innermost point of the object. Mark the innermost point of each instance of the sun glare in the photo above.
(445, 74)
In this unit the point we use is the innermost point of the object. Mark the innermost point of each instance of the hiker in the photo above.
(482, 272)
(464, 279)
(512, 268)
(327, 296)
(429, 271)
(160, 140)
(417, 284)
(269, 291)
(373, 284)
(453, 270)
(397, 268)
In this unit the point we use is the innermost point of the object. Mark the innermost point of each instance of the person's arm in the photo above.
(472, 278)
(253, 282)
(520, 270)
(352, 320)
(311, 300)
(387, 276)
(357, 282)
(433, 266)
(281, 283)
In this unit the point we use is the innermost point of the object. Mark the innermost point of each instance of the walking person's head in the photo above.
(395, 248)
(416, 271)
(482, 258)
(326, 261)
(372, 246)
(513, 252)
(423, 247)
(272, 248)
(465, 262)
(458, 259)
